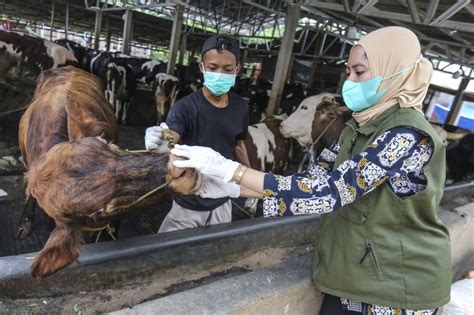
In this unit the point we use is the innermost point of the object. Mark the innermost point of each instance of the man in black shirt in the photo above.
(210, 117)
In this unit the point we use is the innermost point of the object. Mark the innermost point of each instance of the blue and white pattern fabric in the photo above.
(396, 157)
(368, 309)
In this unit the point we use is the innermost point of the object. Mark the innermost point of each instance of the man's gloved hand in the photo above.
(214, 187)
(154, 138)
(205, 160)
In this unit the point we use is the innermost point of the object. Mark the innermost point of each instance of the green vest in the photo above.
(382, 249)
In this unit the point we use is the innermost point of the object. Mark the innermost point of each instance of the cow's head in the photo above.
(311, 118)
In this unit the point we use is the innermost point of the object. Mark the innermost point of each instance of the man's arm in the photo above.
(240, 153)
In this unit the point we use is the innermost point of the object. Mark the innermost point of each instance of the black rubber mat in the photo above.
(10, 212)
(139, 223)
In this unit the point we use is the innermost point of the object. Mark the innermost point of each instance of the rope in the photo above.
(303, 160)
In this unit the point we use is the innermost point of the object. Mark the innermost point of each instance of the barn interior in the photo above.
(302, 44)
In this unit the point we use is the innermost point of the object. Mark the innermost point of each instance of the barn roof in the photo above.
(445, 28)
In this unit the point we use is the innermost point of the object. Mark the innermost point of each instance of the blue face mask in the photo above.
(361, 95)
(218, 83)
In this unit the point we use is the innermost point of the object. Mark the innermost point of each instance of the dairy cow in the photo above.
(165, 91)
(25, 57)
(318, 122)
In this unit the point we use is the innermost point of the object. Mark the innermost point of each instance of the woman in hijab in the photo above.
(382, 248)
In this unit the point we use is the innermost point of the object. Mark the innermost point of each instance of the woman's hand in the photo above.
(214, 187)
(205, 160)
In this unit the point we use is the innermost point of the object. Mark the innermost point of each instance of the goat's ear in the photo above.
(61, 249)
(80, 122)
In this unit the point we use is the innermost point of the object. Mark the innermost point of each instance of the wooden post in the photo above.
(52, 21)
(127, 31)
(175, 36)
(453, 115)
(284, 57)
(182, 48)
(97, 28)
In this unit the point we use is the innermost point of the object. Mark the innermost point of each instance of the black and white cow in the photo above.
(257, 96)
(25, 57)
(120, 88)
(82, 54)
(165, 91)
(190, 78)
(145, 70)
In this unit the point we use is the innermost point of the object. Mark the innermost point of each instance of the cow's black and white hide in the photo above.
(190, 78)
(293, 95)
(99, 64)
(145, 70)
(24, 57)
(82, 54)
(165, 91)
(267, 149)
(257, 96)
(120, 88)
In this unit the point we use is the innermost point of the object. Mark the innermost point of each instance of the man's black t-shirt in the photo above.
(198, 122)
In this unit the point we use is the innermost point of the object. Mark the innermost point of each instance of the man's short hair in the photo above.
(221, 42)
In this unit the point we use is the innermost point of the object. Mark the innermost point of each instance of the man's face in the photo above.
(222, 62)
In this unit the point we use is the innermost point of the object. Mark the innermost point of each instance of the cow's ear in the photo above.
(80, 122)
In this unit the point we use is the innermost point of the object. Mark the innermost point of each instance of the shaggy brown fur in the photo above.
(85, 184)
(68, 104)
(82, 182)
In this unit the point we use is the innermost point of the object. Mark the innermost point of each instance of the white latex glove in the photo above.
(205, 160)
(214, 187)
(154, 138)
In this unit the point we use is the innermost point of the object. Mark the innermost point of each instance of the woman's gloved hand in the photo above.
(205, 160)
(154, 138)
(214, 187)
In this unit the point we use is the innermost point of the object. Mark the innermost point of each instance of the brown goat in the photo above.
(85, 184)
(68, 104)
(80, 180)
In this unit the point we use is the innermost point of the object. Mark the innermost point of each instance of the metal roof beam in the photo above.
(367, 6)
(430, 11)
(455, 8)
(470, 8)
(413, 9)
(263, 7)
(449, 33)
(374, 12)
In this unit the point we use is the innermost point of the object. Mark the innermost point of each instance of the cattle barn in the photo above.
(82, 200)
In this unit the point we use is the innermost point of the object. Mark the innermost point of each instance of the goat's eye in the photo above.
(304, 107)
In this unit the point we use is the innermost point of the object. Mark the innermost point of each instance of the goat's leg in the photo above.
(61, 249)
(25, 225)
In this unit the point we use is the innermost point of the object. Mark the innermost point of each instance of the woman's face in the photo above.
(357, 68)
